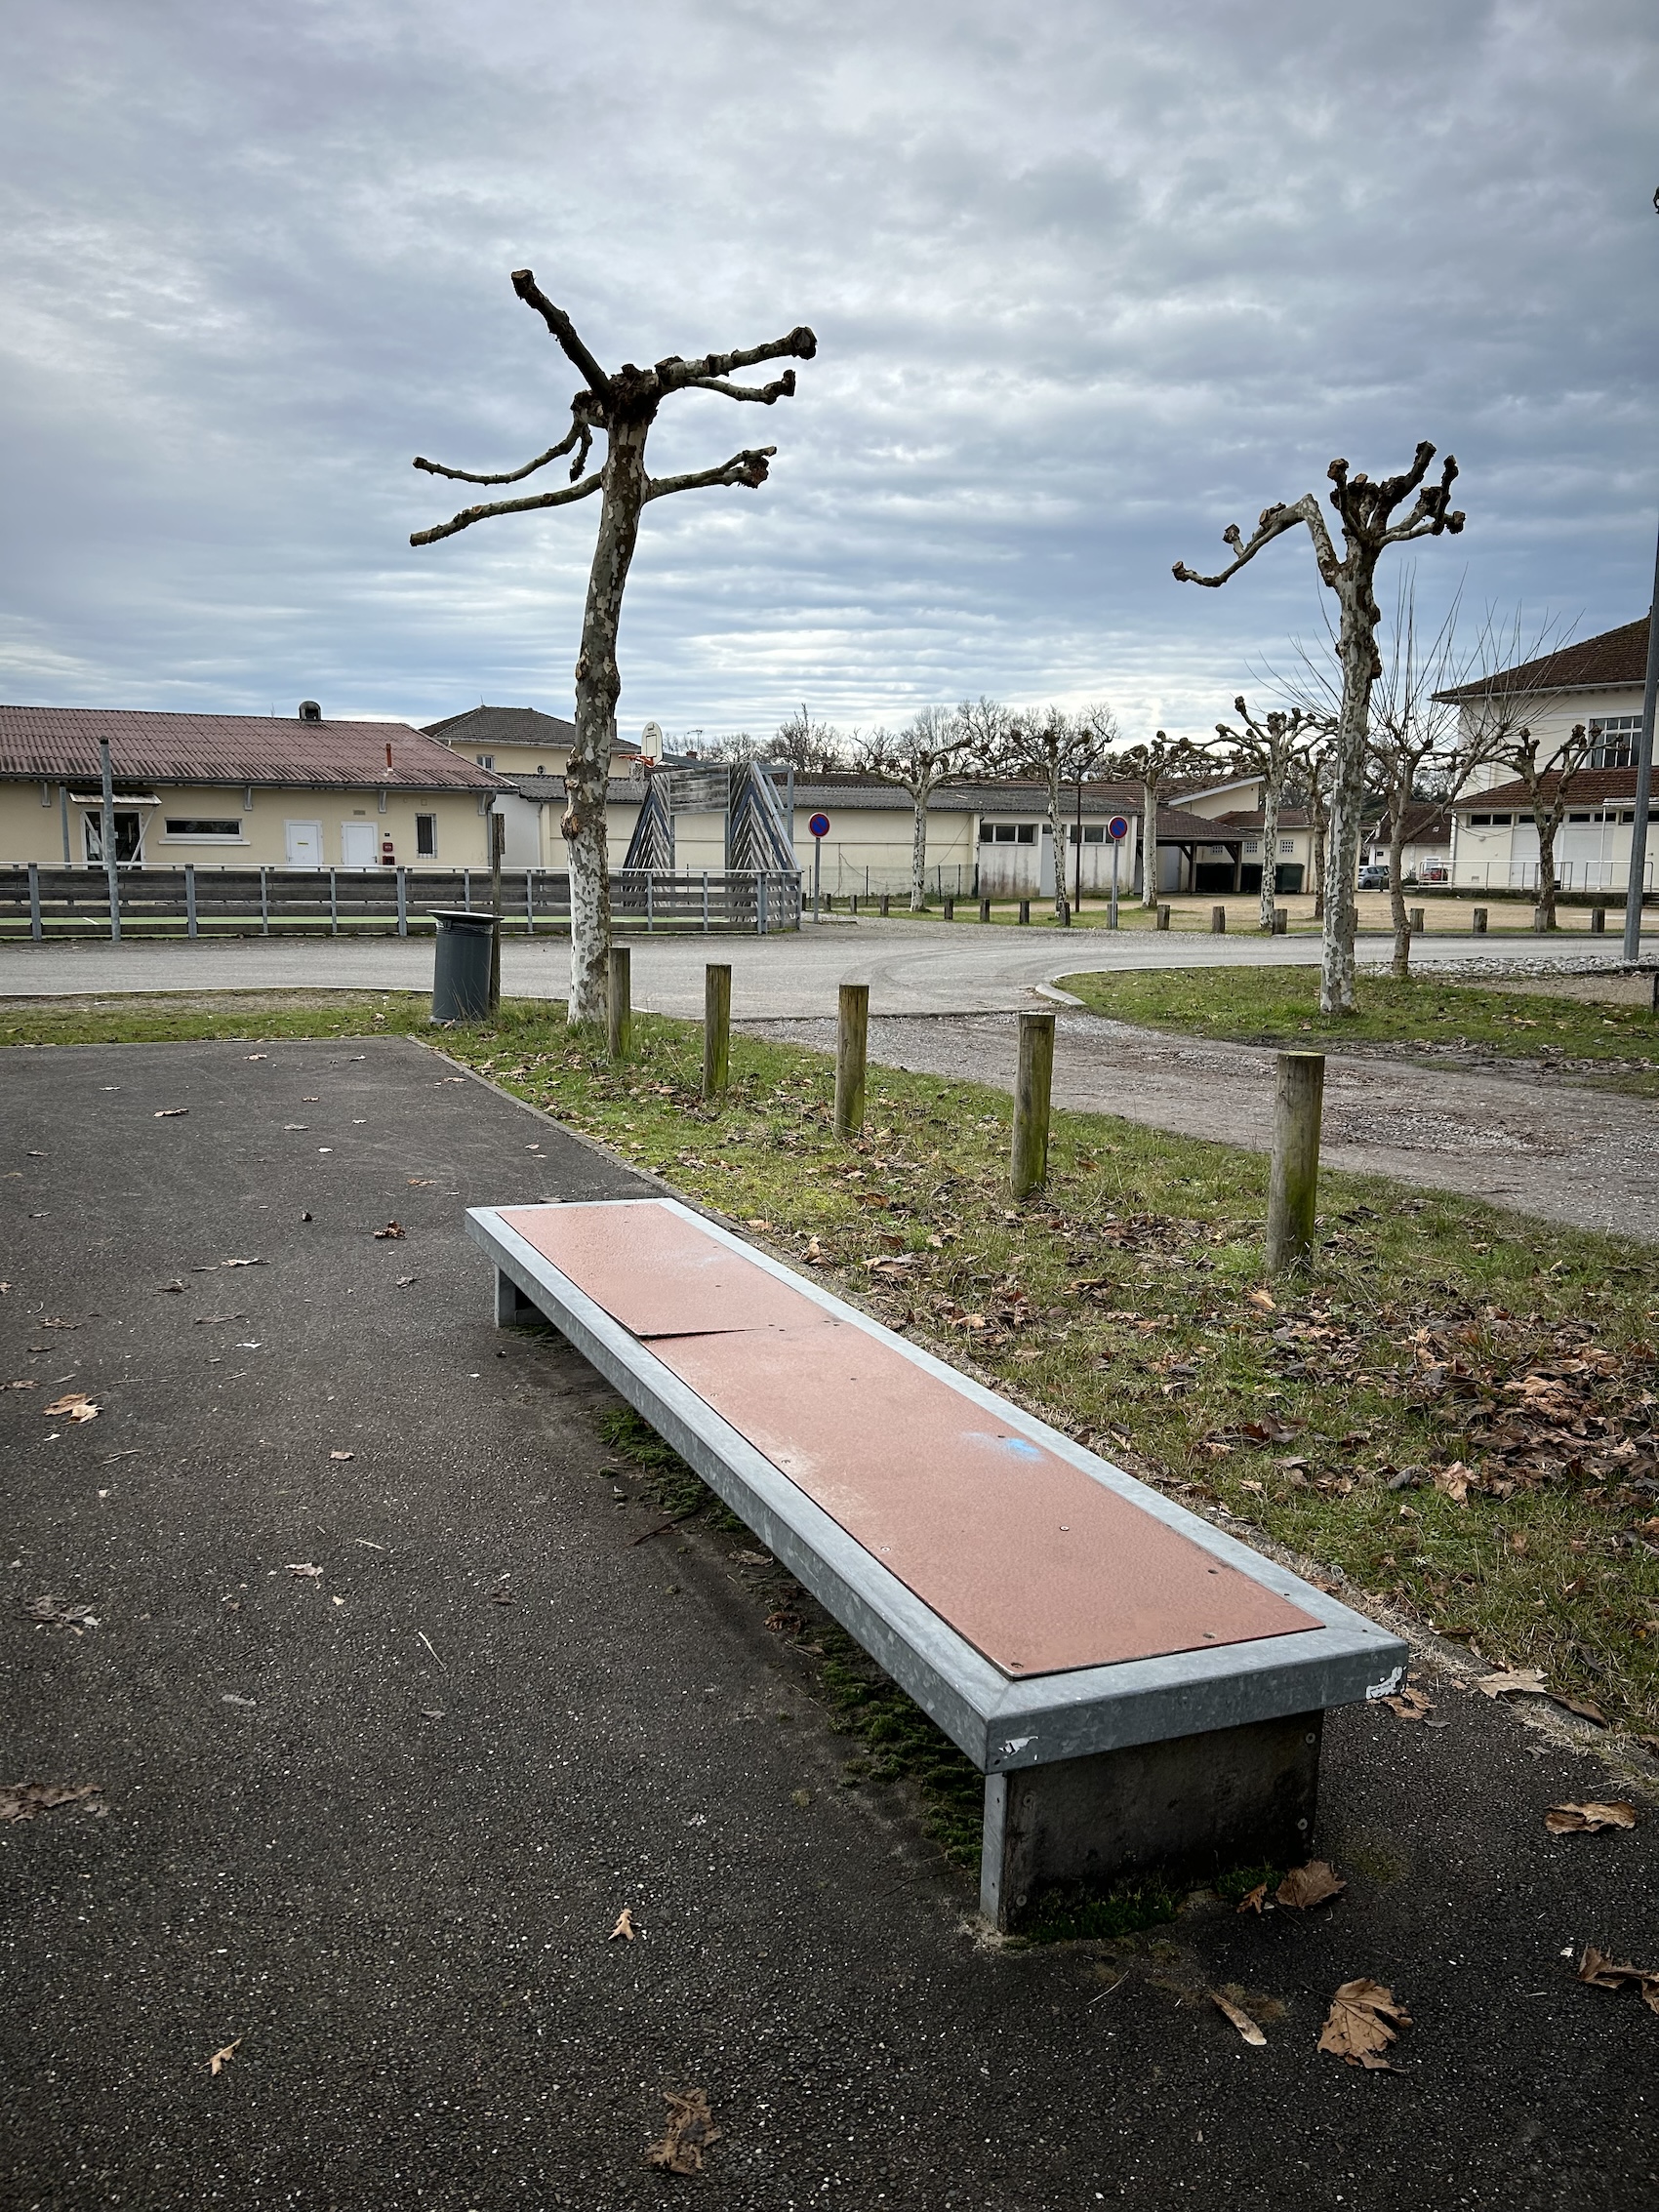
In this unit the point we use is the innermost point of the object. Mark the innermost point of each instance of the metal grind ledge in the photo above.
(990, 1620)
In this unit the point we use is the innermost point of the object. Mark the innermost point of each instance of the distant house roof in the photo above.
(1589, 787)
(63, 742)
(512, 726)
(1615, 659)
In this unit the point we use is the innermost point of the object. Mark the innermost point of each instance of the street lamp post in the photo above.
(1644, 770)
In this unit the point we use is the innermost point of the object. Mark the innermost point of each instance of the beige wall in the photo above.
(32, 832)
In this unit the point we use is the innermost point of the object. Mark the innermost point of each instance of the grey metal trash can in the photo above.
(460, 978)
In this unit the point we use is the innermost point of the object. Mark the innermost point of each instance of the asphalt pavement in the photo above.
(369, 1828)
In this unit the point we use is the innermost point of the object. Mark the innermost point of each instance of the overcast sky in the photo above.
(1090, 281)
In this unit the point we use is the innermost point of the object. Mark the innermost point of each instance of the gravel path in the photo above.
(1588, 1158)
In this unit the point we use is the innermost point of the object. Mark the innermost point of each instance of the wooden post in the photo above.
(716, 1031)
(498, 838)
(1414, 915)
(852, 1038)
(950, 909)
(1477, 921)
(1281, 921)
(619, 1008)
(1597, 921)
(1298, 1099)
(1218, 921)
(1025, 911)
(1540, 917)
(1033, 1085)
(886, 904)
(1163, 921)
(985, 909)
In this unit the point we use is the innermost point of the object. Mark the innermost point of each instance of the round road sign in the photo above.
(1118, 829)
(820, 826)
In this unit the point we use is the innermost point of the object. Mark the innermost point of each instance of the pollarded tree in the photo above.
(931, 747)
(1155, 766)
(1055, 749)
(1367, 512)
(622, 404)
(1277, 747)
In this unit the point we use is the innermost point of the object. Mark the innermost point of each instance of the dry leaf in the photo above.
(1410, 1705)
(1589, 1820)
(221, 2059)
(1261, 1299)
(1453, 1481)
(1603, 1972)
(241, 1263)
(28, 1384)
(1583, 1707)
(1245, 2025)
(76, 1403)
(22, 1800)
(1363, 2020)
(341, 1454)
(1514, 1681)
(59, 1613)
(1309, 1885)
(421, 1181)
(161, 1288)
(391, 1228)
(168, 1113)
(690, 2132)
(1257, 1900)
(624, 1927)
(305, 1570)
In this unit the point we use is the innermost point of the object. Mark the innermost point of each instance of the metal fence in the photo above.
(1570, 875)
(52, 904)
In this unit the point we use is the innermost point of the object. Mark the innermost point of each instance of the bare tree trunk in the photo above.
(1321, 826)
(1056, 831)
(1398, 915)
(1271, 794)
(1358, 653)
(1549, 821)
(598, 685)
(1149, 843)
(920, 794)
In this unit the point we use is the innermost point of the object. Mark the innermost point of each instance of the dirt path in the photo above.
(1565, 1153)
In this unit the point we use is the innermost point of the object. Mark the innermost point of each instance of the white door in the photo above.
(357, 844)
(304, 843)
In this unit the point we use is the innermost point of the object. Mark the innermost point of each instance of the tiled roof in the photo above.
(1589, 787)
(512, 726)
(63, 742)
(1615, 658)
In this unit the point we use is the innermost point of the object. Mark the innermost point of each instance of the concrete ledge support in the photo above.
(513, 1308)
(1193, 1807)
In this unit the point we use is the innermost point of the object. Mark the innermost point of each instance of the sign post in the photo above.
(1118, 829)
(820, 827)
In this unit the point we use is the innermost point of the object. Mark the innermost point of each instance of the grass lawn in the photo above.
(1280, 1006)
(1456, 1412)
(130, 1019)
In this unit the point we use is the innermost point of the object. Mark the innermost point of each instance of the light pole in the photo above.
(1644, 770)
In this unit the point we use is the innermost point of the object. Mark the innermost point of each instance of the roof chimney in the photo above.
(389, 753)
(309, 710)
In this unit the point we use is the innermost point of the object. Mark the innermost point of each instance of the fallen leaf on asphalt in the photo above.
(404, 1282)
(1363, 2020)
(305, 1570)
(391, 1228)
(1585, 1708)
(1590, 1818)
(241, 1263)
(256, 1055)
(23, 1799)
(163, 1287)
(51, 1323)
(1240, 2020)
(1261, 1299)
(28, 1384)
(1309, 1885)
(1603, 1972)
(221, 2058)
(59, 1613)
(783, 1623)
(341, 1454)
(1410, 1705)
(690, 2132)
(76, 1403)
(168, 1113)
(1257, 1900)
(422, 1181)
(1514, 1681)
(624, 1928)
(230, 1697)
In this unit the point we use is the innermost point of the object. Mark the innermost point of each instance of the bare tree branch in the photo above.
(563, 329)
(674, 374)
(750, 468)
(1272, 523)
(580, 432)
(766, 395)
(469, 516)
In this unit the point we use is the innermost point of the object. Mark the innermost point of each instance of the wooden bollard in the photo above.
(1281, 921)
(855, 903)
(1597, 921)
(618, 1009)
(852, 1039)
(1033, 1085)
(1299, 1092)
(1063, 914)
(717, 1030)
(950, 910)
(1414, 915)
(1025, 911)
(985, 909)
(1540, 920)
(1218, 921)
(1164, 915)
(1477, 921)
(886, 904)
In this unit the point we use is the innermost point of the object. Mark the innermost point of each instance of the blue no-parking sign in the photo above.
(820, 826)
(1118, 829)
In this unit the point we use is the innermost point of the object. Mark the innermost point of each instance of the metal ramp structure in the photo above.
(652, 845)
(757, 824)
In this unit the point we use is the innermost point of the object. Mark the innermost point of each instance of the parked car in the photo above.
(1374, 877)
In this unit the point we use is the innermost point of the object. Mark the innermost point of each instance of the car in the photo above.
(1374, 877)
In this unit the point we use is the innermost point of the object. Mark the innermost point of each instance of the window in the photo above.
(1252, 844)
(1479, 822)
(199, 828)
(541, 768)
(1613, 740)
(425, 836)
(1287, 844)
(1581, 818)
(485, 760)
(1628, 814)
(1007, 832)
(1094, 833)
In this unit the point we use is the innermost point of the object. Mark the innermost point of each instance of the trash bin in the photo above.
(461, 979)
